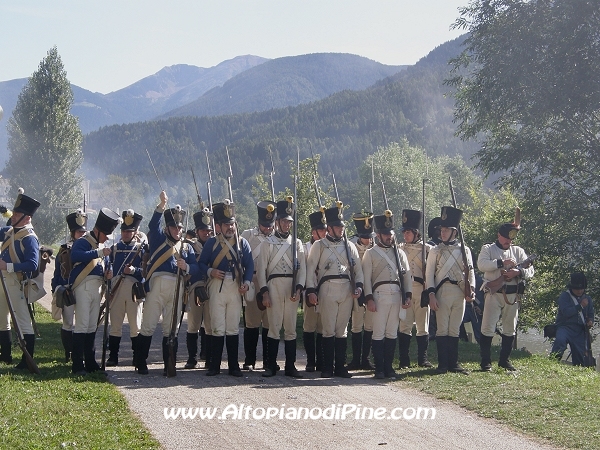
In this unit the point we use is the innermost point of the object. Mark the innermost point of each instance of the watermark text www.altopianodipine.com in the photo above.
(332, 412)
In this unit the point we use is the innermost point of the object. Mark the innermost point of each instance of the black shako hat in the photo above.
(578, 281)
(107, 221)
(363, 221)
(26, 205)
(318, 220)
(224, 212)
(433, 225)
(131, 220)
(384, 223)
(334, 216)
(203, 219)
(411, 220)
(509, 230)
(266, 213)
(285, 208)
(77, 221)
(174, 217)
(450, 217)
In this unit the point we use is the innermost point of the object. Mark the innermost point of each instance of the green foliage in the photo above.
(528, 88)
(45, 146)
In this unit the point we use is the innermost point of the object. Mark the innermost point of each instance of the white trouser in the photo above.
(225, 307)
(123, 304)
(197, 315)
(361, 317)
(283, 311)
(415, 314)
(496, 307)
(18, 303)
(388, 302)
(335, 303)
(159, 301)
(451, 304)
(87, 304)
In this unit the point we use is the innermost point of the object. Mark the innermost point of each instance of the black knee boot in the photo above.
(505, 350)
(191, 340)
(309, 346)
(89, 353)
(485, 348)
(356, 347)
(319, 352)
(232, 343)
(78, 367)
(340, 358)
(403, 350)
(66, 336)
(378, 349)
(328, 351)
(442, 351)
(202, 344)
(453, 364)
(216, 355)
(422, 346)
(290, 359)
(271, 366)
(30, 346)
(264, 336)
(134, 349)
(5, 347)
(389, 350)
(141, 355)
(367, 338)
(250, 344)
(113, 346)
(208, 345)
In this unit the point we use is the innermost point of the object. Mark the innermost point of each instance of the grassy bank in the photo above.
(544, 398)
(56, 409)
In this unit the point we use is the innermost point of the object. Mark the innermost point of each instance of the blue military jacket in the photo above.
(27, 249)
(160, 244)
(213, 247)
(84, 250)
(122, 255)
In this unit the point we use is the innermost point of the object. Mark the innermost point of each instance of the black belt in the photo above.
(379, 283)
(437, 288)
(332, 277)
(420, 280)
(514, 289)
(279, 275)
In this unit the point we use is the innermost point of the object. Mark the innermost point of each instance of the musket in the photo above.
(106, 316)
(155, 172)
(114, 288)
(171, 363)
(425, 293)
(200, 202)
(401, 270)
(36, 330)
(346, 246)
(463, 250)
(315, 173)
(295, 261)
(371, 189)
(31, 365)
(208, 184)
(271, 176)
(238, 258)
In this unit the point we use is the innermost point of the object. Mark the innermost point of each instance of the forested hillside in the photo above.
(344, 128)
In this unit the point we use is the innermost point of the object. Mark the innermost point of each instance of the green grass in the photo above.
(56, 409)
(544, 398)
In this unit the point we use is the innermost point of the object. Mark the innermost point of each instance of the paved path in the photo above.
(148, 396)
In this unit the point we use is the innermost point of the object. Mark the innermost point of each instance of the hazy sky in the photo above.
(107, 45)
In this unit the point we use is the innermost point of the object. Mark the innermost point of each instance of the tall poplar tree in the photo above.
(44, 141)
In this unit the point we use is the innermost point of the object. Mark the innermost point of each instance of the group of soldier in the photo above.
(381, 289)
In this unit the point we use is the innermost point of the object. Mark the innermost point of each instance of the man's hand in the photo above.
(357, 292)
(312, 300)
(433, 303)
(163, 199)
(243, 288)
(584, 302)
(2, 264)
(128, 270)
(218, 274)
(106, 251)
(266, 299)
(371, 306)
(296, 296)
(181, 264)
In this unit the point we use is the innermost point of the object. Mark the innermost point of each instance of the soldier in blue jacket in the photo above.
(76, 222)
(230, 268)
(126, 260)
(169, 256)
(574, 317)
(19, 259)
(90, 268)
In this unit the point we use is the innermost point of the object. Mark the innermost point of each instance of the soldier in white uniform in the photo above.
(277, 280)
(312, 327)
(334, 291)
(416, 314)
(198, 314)
(254, 313)
(361, 317)
(502, 259)
(445, 280)
(386, 275)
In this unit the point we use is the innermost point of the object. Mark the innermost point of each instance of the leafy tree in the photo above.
(45, 146)
(528, 88)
